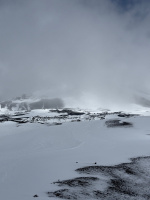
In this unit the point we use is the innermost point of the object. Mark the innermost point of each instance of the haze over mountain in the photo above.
(74, 99)
(88, 52)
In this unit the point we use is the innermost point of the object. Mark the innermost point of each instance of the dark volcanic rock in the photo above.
(35, 195)
(78, 182)
(126, 115)
(117, 123)
(68, 111)
(126, 181)
(4, 118)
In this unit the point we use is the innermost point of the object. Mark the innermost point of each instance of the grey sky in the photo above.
(74, 48)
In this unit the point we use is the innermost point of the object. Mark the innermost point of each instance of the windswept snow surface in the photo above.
(34, 155)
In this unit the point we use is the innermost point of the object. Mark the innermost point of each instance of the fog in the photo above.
(88, 52)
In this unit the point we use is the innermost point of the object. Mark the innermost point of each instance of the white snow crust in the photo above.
(33, 155)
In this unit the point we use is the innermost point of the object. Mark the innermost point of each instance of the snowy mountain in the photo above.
(30, 103)
(66, 153)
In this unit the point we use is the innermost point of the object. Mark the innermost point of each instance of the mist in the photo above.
(85, 52)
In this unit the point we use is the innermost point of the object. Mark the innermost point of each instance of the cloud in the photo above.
(76, 49)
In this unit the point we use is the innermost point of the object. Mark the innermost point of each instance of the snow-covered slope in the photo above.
(59, 153)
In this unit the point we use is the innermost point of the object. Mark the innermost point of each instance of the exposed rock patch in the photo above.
(118, 123)
(128, 181)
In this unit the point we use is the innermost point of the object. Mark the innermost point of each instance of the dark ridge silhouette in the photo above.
(41, 104)
(47, 104)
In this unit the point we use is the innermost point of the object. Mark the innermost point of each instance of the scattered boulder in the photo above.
(117, 123)
(35, 195)
(126, 115)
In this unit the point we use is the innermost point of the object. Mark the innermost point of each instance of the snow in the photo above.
(32, 155)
